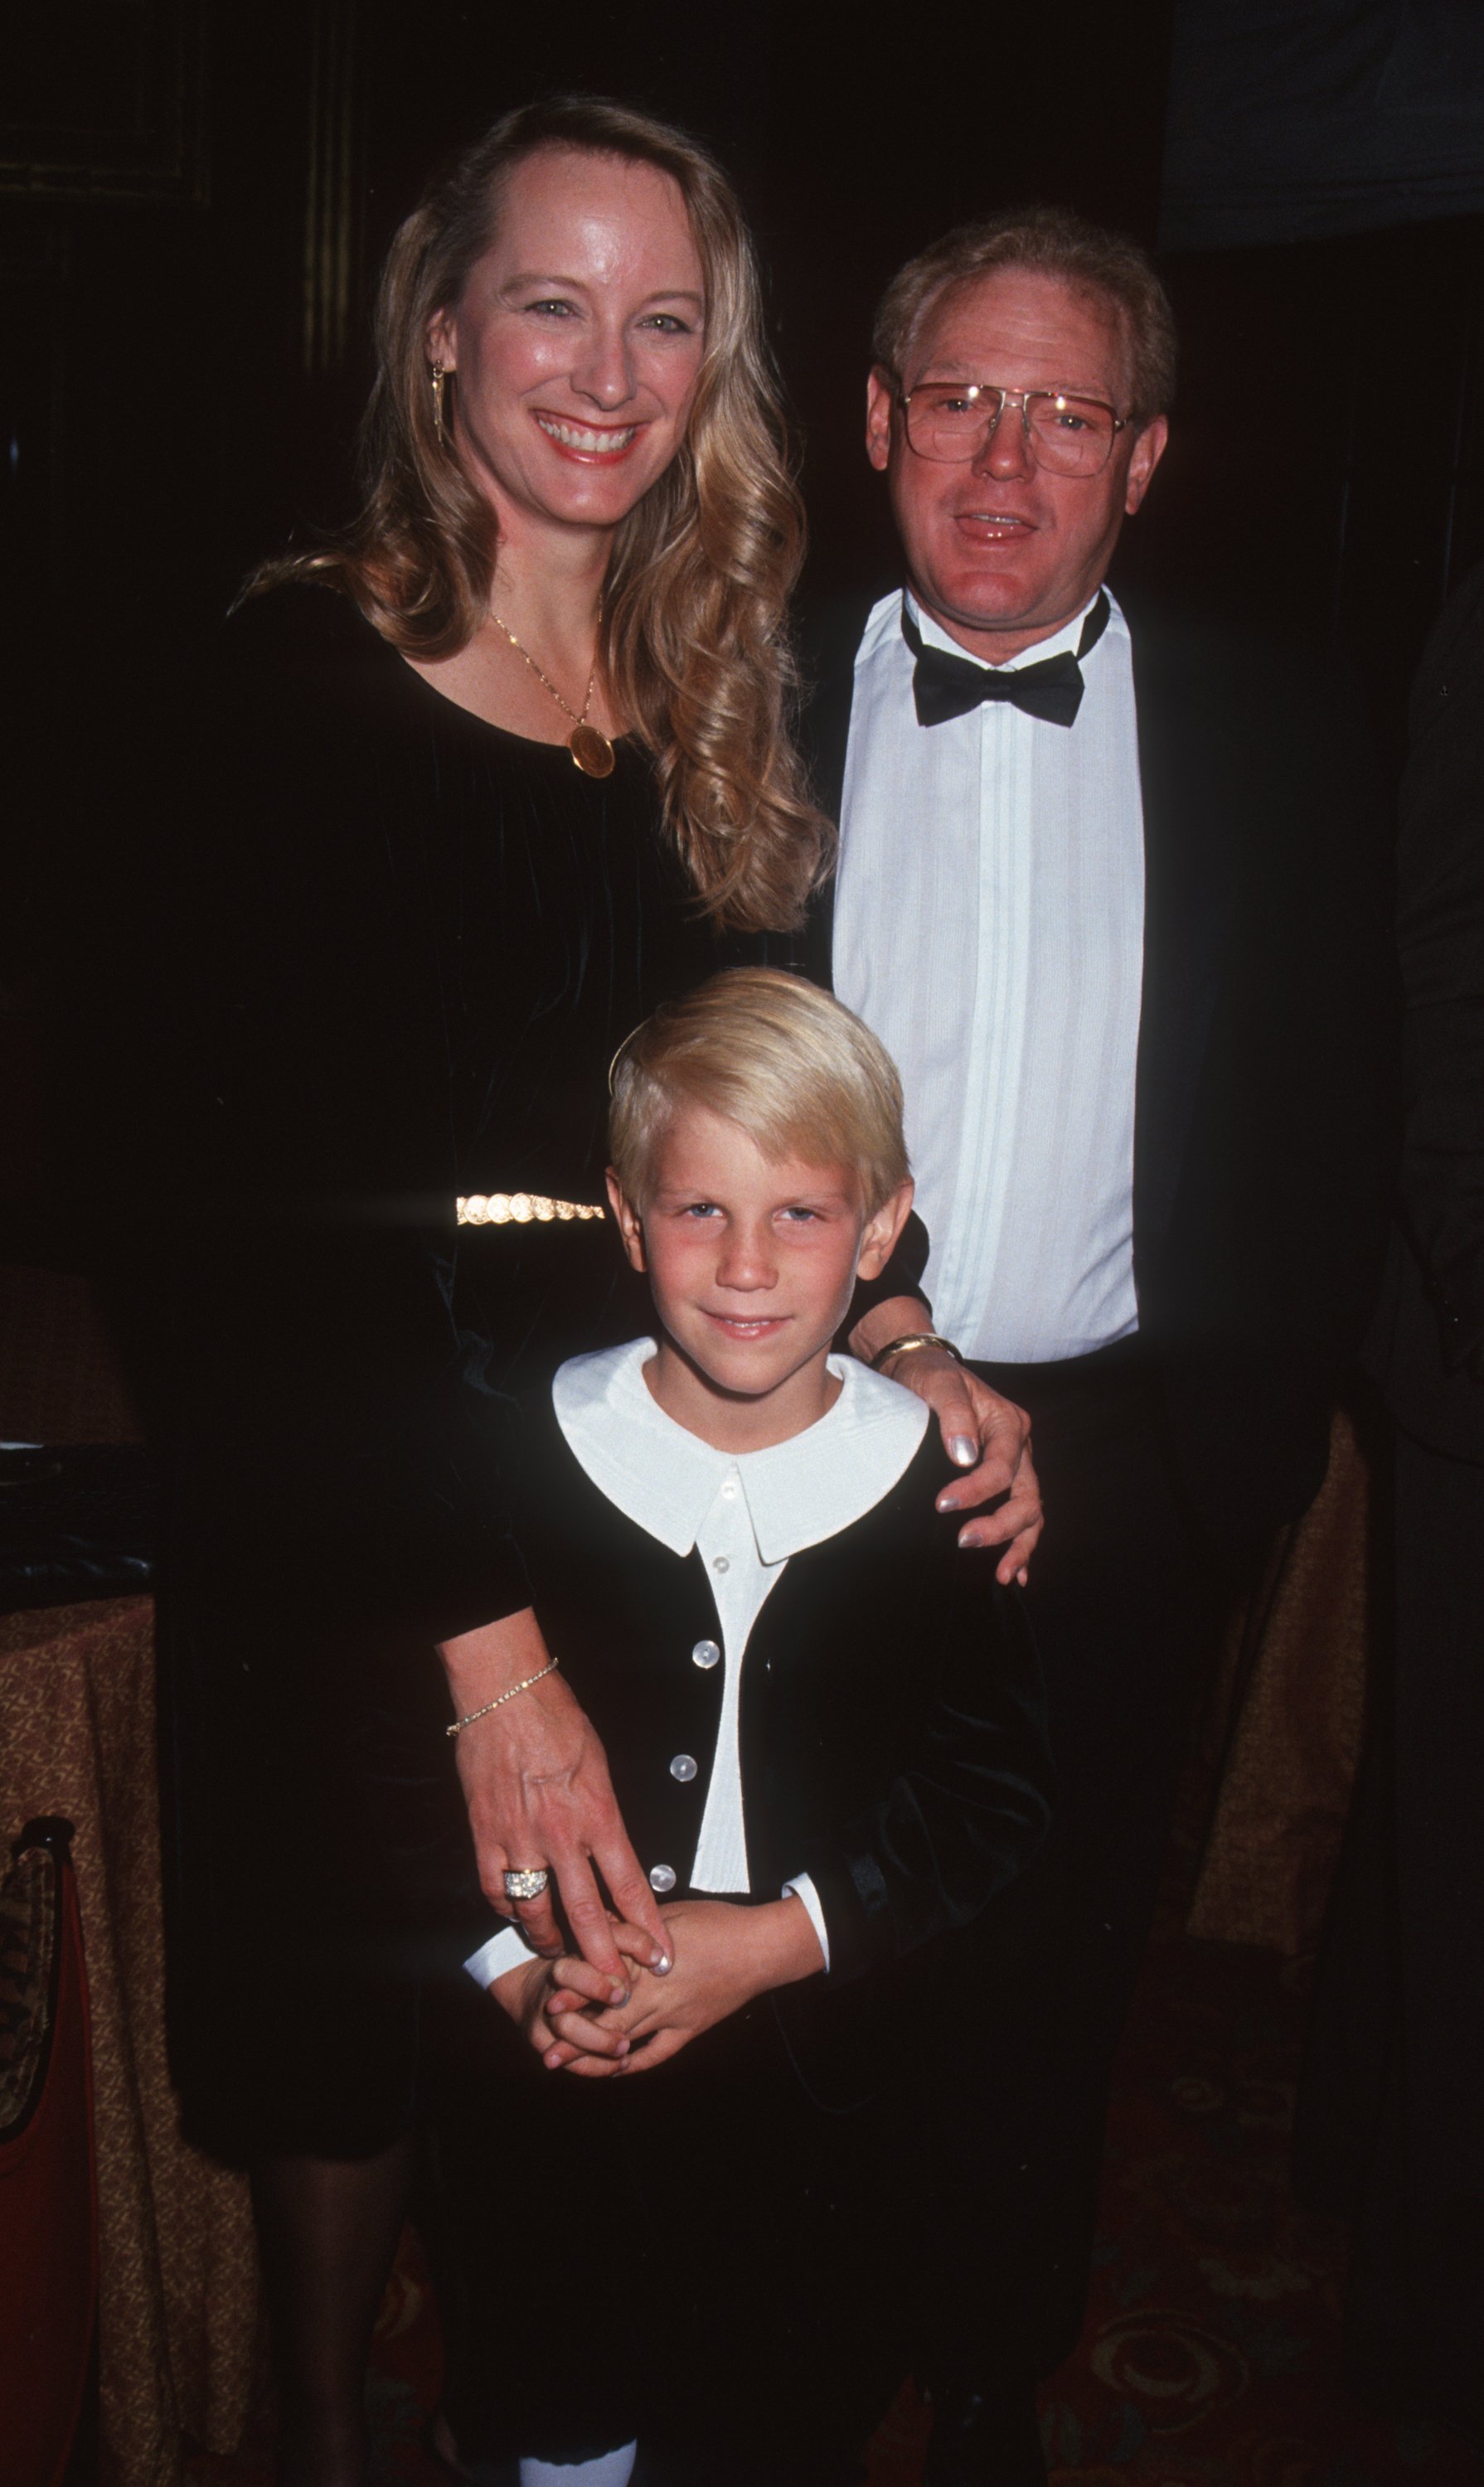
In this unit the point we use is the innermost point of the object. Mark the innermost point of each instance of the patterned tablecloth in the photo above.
(178, 2308)
(178, 2317)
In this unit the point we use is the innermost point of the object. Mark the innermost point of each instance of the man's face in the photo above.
(1000, 551)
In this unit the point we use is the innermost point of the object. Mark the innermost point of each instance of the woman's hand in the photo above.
(722, 1956)
(987, 1435)
(535, 1779)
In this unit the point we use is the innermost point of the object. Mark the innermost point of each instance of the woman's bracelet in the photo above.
(459, 1724)
(915, 1338)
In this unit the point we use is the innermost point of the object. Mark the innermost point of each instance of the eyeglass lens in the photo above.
(1072, 435)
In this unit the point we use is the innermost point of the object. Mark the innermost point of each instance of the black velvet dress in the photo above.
(406, 945)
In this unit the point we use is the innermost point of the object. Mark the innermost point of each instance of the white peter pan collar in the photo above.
(666, 1479)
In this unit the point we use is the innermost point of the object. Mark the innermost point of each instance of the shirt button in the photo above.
(705, 1654)
(683, 1767)
(720, 1563)
(729, 1492)
(661, 1878)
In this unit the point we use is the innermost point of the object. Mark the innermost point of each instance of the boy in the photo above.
(822, 1722)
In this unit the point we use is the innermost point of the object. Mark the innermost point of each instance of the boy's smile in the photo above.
(752, 1265)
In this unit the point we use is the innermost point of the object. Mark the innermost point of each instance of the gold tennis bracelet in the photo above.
(500, 1698)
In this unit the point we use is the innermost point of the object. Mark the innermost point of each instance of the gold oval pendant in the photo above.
(591, 750)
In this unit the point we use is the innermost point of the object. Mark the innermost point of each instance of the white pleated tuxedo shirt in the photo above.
(990, 927)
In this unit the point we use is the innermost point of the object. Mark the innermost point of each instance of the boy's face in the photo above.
(752, 1264)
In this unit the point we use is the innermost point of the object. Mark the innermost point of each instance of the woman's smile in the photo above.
(586, 439)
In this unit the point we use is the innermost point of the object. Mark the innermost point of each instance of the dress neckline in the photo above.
(506, 732)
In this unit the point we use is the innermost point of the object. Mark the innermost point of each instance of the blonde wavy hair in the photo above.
(694, 633)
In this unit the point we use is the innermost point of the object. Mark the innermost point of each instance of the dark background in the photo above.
(195, 194)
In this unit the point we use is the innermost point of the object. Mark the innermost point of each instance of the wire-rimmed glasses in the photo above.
(953, 421)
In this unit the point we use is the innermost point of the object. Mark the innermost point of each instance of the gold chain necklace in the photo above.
(591, 753)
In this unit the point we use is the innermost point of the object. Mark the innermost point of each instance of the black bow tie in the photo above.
(945, 687)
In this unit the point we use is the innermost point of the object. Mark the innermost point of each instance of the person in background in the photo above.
(1389, 2129)
(1106, 891)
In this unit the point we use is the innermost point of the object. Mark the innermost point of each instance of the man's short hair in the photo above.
(795, 1070)
(1046, 242)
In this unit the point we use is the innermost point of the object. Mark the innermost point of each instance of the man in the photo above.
(1101, 891)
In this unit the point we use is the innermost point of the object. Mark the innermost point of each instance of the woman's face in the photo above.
(577, 341)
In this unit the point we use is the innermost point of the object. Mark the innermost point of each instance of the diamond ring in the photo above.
(526, 1882)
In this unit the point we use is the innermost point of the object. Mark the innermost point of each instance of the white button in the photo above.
(720, 1563)
(705, 1654)
(683, 1767)
(661, 1878)
(729, 1492)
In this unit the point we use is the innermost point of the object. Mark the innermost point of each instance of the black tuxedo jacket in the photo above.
(1263, 1099)
(1431, 1318)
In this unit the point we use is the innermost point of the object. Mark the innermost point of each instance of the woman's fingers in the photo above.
(636, 1944)
(632, 1896)
(1003, 1438)
(1026, 1518)
(538, 1922)
(987, 1435)
(988, 1438)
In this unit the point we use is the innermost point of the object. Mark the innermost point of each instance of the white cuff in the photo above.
(503, 1952)
(803, 1888)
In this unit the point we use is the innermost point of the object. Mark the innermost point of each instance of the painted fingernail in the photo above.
(662, 1966)
(1023, 1578)
(963, 1449)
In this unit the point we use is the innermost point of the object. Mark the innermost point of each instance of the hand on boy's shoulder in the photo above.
(986, 1441)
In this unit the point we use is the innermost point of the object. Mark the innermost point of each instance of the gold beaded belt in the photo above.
(520, 1208)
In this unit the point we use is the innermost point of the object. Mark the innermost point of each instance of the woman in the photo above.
(488, 776)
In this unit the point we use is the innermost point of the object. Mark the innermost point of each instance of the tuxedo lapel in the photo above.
(1193, 785)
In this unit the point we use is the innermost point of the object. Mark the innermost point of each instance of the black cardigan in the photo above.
(891, 1726)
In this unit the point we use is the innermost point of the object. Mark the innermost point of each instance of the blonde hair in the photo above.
(790, 1066)
(694, 638)
(1047, 241)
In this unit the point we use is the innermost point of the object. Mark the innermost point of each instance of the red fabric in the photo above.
(48, 2236)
